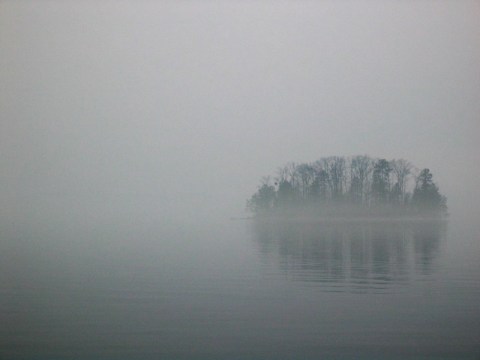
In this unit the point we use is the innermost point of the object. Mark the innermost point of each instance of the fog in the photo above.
(176, 109)
(132, 132)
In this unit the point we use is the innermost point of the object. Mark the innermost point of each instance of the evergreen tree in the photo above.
(426, 196)
(263, 200)
(285, 194)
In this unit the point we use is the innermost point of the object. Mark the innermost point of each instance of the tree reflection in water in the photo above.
(352, 256)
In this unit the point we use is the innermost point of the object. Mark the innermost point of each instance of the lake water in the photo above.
(240, 290)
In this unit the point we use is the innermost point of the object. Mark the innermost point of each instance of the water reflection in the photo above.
(353, 256)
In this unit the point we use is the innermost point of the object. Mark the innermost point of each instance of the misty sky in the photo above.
(173, 106)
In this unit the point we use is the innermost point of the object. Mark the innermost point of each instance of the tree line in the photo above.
(358, 185)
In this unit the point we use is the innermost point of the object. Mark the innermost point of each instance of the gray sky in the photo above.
(167, 107)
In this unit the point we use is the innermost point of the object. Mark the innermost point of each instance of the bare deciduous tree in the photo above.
(401, 169)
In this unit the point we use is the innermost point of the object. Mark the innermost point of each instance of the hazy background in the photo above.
(144, 109)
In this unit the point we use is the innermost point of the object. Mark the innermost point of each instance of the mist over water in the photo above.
(353, 256)
(132, 134)
(241, 289)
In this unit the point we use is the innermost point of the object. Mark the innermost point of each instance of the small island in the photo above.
(357, 187)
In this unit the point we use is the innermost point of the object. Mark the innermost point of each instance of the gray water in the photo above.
(240, 290)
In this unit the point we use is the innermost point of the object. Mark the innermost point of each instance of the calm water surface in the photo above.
(240, 290)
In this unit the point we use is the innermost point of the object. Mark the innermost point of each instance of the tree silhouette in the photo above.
(426, 196)
(343, 186)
